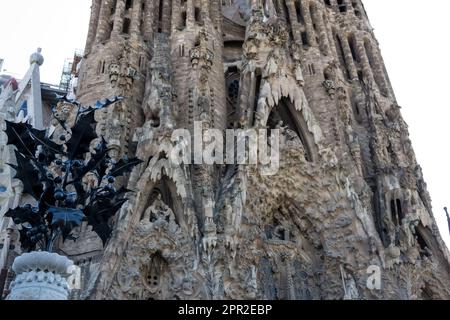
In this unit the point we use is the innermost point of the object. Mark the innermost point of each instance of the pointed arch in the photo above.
(285, 111)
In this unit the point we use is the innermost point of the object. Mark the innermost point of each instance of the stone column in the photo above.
(166, 19)
(350, 64)
(176, 15)
(365, 64)
(321, 29)
(190, 13)
(296, 27)
(149, 15)
(135, 27)
(118, 18)
(308, 23)
(103, 21)
(377, 66)
(93, 24)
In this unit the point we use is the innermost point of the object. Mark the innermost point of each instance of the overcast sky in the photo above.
(413, 35)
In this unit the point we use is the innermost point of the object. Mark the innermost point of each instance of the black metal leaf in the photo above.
(107, 102)
(29, 175)
(65, 219)
(22, 215)
(83, 133)
(99, 213)
(30, 221)
(124, 166)
(19, 136)
(40, 136)
(63, 98)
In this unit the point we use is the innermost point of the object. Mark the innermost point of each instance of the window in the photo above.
(397, 212)
(142, 63)
(312, 70)
(198, 15)
(160, 15)
(126, 26)
(183, 20)
(181, 48)
(305, 41)
(101, 68)
(298, 9)
(356, 10)
(342, 6)
(128, 4)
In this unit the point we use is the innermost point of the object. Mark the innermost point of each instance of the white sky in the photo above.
(413, 36)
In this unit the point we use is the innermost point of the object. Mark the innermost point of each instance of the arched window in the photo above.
(299, 11)
(198, 15)
(126, 26)
(232, 78)
(286, 115)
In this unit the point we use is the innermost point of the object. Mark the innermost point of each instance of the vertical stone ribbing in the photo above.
(320, 28)
(104, 23)
(176, 15)
(308, 23)
(190, 13)
(365, 64)
(295, 26)
(93, 24)
(149, 15)
(136, 18)
(350, 64)
(119, 18)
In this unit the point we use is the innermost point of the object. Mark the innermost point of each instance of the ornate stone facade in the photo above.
(349, 196)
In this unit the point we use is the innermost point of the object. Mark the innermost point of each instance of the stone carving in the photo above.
(40, 276)
(226, 231)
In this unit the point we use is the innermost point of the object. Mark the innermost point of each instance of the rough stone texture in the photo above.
(40, 276)
(349, 196)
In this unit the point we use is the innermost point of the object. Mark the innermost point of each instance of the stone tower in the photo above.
(347, 216)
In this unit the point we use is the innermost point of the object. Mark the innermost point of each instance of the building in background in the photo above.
(349, 197)
(70, 71)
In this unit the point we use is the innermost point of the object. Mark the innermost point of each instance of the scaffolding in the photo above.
(70, 70)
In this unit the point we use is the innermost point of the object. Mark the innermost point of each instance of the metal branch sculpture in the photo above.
(53, 175)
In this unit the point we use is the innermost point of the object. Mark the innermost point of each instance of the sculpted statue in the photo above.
(159, 211)
(350, 288)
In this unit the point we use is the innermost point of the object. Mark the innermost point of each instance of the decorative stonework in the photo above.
(349, 193)
(40, 276)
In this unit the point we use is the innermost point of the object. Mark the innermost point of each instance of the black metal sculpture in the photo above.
(53, 175)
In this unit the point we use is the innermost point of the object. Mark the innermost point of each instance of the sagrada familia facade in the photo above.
(347, 216)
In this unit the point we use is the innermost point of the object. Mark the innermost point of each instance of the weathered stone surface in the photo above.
(348, 203)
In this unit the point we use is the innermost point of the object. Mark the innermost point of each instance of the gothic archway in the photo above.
(293, 120)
